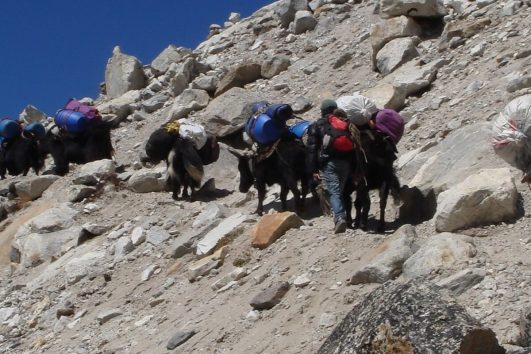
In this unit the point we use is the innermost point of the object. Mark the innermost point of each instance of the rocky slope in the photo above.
(103, 260)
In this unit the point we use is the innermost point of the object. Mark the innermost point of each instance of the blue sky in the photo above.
(51, 50)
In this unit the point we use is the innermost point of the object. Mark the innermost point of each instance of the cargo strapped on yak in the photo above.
(267, 122)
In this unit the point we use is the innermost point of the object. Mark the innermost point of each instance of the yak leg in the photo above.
(362, 205)
(284, 190)
(384, 194)
(261, 188)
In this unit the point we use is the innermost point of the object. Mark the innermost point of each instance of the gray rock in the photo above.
(89, 264)
(154, 103)
(402, 315)
(157, 235)
(138, 235)
(342, 60)
(146, 181)
(7, 312)
(273, 66)
(207, 83)
(122, 247)
(525, 326)
(385, 262)
(234, 17)
(478, 50)
(91, 172)
(123, 73)
(31, 188)
(54, 219)
(148, 272)
(439, 252)
(270, 297)
(179, 75)
(121, 107)
(179, 338)
(511, 8)
(207, 264)
(303, 22)
(301, 281)
(168, 56)
(286, 10)
(96, 229)
(228, 113)
(31, 114)
(239, 76)
(189, 100)
(395, 53)
(301, 104)
(78, 193)
(484, 198)
(519, 83)
(327, 319)
(413, 8)
(107, 315)
(385, 31)
(463, 280)
(211, 214)
(230, 226)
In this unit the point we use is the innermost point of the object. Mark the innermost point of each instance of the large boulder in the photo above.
(414, 76)
(395, 53)
(32, 188)
(286, 10)
(90, 173)
(383, 32)
(168, 56)
(410, 318)
(273, 66)
(412, 8)
(209, 83)
(31, 114)
(463, 29)
(387, 96)
(439, 252)
(228, 113)
(123, 73)
(385, 262)
(239, 76)
(146, 181)
(179, 75)
(120, 107)
(272, 226)
(487, 197)
(225, 170)
(461, 154)
(303, 22)
(189, 100)
(89, 264)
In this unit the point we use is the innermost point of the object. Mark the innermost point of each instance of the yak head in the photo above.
(245, 167)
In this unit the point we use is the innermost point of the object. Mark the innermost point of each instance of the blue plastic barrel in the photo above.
(71, 121)
(9, 128)
(298, 129)
(36, 129)
(265, 130)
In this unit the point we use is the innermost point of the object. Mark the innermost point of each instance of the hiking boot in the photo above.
(340, 227)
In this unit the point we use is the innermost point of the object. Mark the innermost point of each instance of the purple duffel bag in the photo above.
(88, 111)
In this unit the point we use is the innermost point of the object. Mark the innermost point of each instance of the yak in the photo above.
(185, 162)
(20, 154)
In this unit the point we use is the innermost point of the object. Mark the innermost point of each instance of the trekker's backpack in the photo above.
(337, 136)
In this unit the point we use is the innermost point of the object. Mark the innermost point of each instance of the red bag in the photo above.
(341, 141)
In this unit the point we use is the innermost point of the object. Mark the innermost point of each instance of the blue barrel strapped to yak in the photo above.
(9, 128)
(75, 116)
(268, 122)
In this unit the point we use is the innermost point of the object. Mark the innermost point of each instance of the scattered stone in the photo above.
(89, 264)
(122, 247)
(107, 315)
(146, 181)
(252, 316)
(463, 280)
(157, 235)
(168, 56)
(179, 338)
(270, 297)
(91, 172)
(238, 77)
(231, 226)
(148, 272)
(413, 8)
(302, 280)
(212, 213)
(31, 114)
(76, 194)
(144, 320)
(303, 22)
(206, 264)
(327, 319)
(31, 188)
(385, 262)
(402, 315)
(274, 66)
(138, 235)
(395, 53)
(271, 227)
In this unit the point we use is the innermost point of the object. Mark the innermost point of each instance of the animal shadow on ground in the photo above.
(208, 192)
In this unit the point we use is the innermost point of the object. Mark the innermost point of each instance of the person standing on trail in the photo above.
(330, 150)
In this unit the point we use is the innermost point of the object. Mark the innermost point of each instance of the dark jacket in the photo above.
(316, 157)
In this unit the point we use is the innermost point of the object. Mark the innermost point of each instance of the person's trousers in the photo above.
(334, 174)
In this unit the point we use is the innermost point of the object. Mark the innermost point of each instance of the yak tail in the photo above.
(192, 162)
